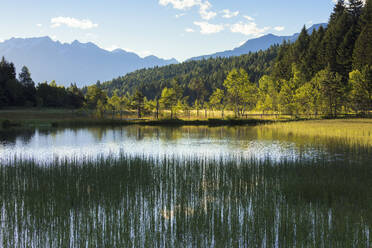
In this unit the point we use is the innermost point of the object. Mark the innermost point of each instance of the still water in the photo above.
(46, 146)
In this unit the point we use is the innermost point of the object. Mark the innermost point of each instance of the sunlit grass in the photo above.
(352, 131)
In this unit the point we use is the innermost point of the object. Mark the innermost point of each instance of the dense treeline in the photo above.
(22, 92)
(192, 75)
(327, 72)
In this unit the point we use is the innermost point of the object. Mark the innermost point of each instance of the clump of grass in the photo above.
(144, 201)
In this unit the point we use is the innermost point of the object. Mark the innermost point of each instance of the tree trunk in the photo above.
(139, 112)
(157, 109)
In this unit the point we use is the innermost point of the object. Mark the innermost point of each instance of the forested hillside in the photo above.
(329, 71)
(208, 74)
(323, 73)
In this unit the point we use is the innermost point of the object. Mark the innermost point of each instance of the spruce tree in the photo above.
(300, 49)
(355, 9)
(28, 84)
(334, 35)
(362, 55)
(338, 10)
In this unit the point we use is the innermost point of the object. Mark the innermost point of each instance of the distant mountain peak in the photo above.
(75, 62)
(118, 50)
(256, 44)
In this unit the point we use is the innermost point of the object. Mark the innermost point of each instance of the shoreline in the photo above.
(61, 118)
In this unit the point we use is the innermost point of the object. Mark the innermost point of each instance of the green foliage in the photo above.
(168, 99)
(361, 93)
(22, 91)
(362, 55)
(268, 95)
(196, 79)
(218, 101)
(138, 102)
(332, 91)
(240, 92)
(51, 95)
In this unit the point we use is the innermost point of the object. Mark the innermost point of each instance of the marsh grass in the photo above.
(190, 202)
(352, 131)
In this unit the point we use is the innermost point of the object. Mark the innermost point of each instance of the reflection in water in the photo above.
(182, 187)
(47, 145)
(168, 203)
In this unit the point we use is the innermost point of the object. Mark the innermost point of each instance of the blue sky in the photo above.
(165, 28)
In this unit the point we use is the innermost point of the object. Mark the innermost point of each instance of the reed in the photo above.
(353, 131)
(181, 202)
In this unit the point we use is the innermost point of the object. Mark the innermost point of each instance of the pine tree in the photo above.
(355, 9)
(29, 92)
(338, 10)
(138, 101)
(366, 15)
(362, 54)
(337, 28)
(283, 66)
(300, 49)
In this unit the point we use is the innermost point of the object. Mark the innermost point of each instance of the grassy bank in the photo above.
(23, 118)
(351, 131)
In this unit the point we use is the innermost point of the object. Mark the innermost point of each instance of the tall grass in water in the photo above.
(353, 131)
(195, 202)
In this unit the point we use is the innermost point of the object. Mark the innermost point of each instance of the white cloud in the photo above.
(279, 28)
(248, 28)
(229, 14)
(204, 6)
(249, 18)
(39, 25)
(180, 15)
(72, 23)
(208, 28)
(180, 4)
(189, 30)
(204, 11)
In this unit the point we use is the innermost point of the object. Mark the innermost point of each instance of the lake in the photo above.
(140, 186)
(46, 145)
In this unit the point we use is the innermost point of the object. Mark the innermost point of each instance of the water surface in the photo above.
(47, 145)
(182, 187)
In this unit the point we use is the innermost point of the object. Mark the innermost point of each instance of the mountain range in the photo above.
(80, 63)
(257, 44)
(85, 63)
